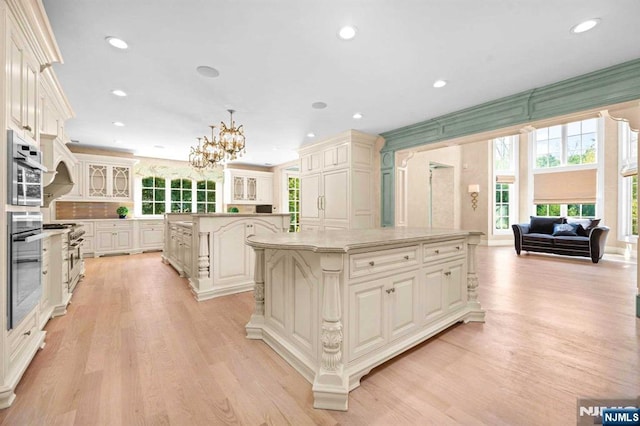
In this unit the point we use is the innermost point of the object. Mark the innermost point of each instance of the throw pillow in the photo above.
(584, 225)
(565, 230)
(543, 225)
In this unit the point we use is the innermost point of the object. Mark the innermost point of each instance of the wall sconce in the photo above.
(473, 190)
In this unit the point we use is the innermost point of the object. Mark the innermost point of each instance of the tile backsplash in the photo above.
(89, 210)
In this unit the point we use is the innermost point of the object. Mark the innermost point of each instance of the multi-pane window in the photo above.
(181, 195)
(628, 181)
(205, 196)
(502, 206)
(547, 209)
(572, 210)
(294, 203)
(504, 175)
(567, 144)
(153, 195)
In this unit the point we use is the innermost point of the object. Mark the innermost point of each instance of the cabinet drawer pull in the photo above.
(389, 290)
(27, 127)
(372, 263)
(447, 274)
(44, 272)
(458, 247)
(437, 251)
(44, 249)
(406, 257)
(27, 333)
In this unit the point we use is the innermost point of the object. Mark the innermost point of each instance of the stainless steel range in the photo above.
(74, 255)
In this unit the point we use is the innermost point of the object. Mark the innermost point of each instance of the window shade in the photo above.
(577, 187)
(629, 170)
(505, 179)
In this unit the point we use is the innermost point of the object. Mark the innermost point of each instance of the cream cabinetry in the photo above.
(103, 178)
(23, 76)
(114, 236)
(337, 183)
(210, 249)
(248, 187)
(150, 234)
(337, 304)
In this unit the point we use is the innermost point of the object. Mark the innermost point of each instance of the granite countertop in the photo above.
(344, 241)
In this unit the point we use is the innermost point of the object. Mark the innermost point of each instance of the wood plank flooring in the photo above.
(135, 348)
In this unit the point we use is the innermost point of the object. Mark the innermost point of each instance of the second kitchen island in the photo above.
(209, 249)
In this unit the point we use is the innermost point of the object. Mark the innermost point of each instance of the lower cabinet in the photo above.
(122, 236)
(113, 238)
(150, 234)
(382, 310)
(442, 289)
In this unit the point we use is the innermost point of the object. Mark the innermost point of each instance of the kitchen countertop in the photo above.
(344, 241)
(229, 214)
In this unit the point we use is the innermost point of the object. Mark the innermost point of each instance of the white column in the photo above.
(254, 326)
(330, 387)
(631, 114)
(477, 313)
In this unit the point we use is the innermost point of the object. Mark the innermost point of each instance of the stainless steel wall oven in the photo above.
(24, 265)
(25, 172)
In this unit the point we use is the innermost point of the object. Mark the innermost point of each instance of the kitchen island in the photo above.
(336, 304)
(209, 249)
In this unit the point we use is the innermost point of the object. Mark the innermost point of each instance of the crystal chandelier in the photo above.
(231, 139)
(229, 145)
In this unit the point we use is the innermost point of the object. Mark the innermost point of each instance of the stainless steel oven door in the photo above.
(25, 274)
(26, 185)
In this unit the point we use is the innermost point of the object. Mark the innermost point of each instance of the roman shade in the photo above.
(576, 186)
(629, 170)
(505, 179)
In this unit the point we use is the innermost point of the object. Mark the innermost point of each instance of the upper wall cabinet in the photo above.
(103, 178)
(248, 187)
(23, 73)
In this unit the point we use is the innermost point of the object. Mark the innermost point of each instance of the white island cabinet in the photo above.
(209, 249)
(336, 304)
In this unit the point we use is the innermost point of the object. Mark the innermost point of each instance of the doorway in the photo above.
(441, 195)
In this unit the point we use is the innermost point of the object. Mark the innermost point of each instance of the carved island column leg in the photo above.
(477, 313)
(254, 326)
(330, 387)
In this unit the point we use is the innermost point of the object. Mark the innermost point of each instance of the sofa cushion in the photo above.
(586, 225)
(537, 240)
(564, 241)
(565, 229)
(543, 225)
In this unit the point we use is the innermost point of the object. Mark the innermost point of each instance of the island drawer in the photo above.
(443, 250)
(369, 263)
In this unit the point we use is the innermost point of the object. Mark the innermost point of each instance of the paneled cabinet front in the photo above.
(23, 73)
(113, 237)
(108, 182)
(248, 187)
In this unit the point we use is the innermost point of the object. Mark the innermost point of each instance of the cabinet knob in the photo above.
(447, 273)
(372, 263)
(44, 249)
(27, 127)
(437, 251)
(389, 290)
(458, 247)
(406, 257)
(28, 333)
(44, 272)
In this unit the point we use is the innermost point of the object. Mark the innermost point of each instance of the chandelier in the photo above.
(228, 146)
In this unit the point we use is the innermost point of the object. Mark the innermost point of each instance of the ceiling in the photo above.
(277, 57)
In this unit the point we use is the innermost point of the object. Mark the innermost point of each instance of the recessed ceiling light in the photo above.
(119, 92)
(439, 83)
(318, 105)
(357, 116)
(207, 71)
(116, 42)
(311, 135)
(347, 32)
(585, 26)
(118, 123)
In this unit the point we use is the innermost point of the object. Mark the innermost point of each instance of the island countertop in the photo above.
(344, 241)
(228, 214)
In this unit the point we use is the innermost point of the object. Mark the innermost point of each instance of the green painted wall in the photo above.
(613, 85)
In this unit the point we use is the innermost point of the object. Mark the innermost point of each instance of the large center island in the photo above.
(336, 304)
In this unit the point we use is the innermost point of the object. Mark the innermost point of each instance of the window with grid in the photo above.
(504, 175)
(153, 195)
(294, 203)
(628, 143)
(206, 196)
(567, 144)
(571, 210)
(181, 195)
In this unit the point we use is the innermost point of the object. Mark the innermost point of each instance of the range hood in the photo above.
(60, 163)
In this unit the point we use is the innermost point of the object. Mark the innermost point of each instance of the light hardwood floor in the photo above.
(136, 348)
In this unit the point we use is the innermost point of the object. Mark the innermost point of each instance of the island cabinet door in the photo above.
(443, 289)
(403, 301)
(231, 255)
(368, 319)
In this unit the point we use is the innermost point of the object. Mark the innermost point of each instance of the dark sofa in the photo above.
(560, 235)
